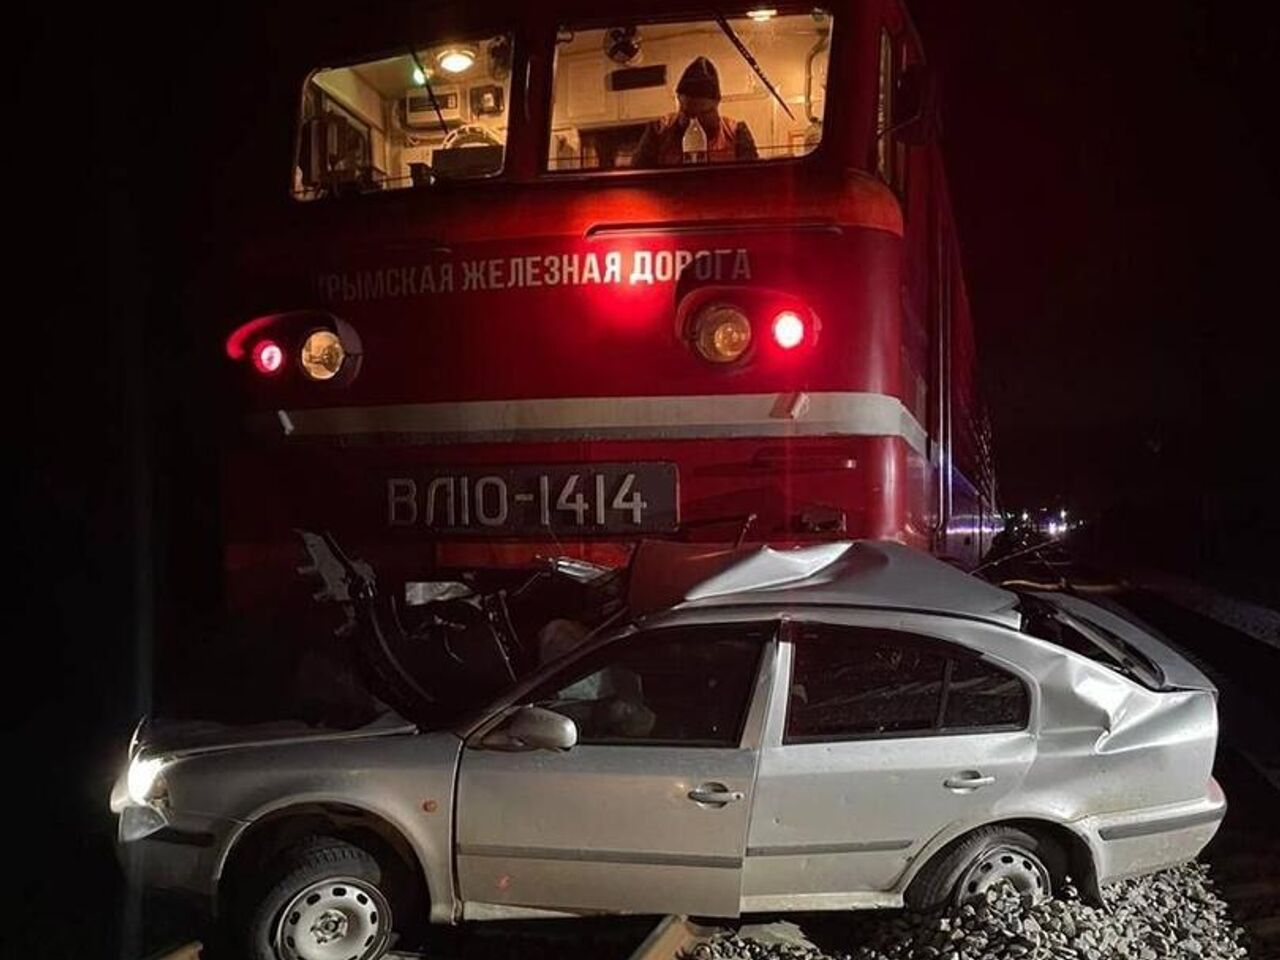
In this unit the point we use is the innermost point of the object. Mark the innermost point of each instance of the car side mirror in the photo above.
(533, 728)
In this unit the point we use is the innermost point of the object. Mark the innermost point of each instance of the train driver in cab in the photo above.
(670, 142)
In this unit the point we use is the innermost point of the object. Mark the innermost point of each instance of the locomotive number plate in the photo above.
(586, 499)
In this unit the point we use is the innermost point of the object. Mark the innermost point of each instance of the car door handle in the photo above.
(715, 793)
(967, 781)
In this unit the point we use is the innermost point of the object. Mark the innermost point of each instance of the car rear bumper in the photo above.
(1149, 839)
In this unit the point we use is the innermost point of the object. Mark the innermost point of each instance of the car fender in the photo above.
(958, 828)
(433, 857)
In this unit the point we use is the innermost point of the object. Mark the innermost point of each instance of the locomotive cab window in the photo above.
(428, 113)
(659, 95)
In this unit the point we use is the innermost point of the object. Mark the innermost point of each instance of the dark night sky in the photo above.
(1114, 172)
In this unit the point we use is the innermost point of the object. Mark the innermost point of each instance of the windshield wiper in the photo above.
(751, 61)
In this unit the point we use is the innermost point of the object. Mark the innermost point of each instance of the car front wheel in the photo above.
(326, 903)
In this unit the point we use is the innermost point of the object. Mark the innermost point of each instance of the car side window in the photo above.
(859, 682)
(854, 682)
(683, 686)
(981, 696)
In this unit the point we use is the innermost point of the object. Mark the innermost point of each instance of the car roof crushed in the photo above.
(871, 573)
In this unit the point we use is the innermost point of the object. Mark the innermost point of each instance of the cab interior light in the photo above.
(456, 59)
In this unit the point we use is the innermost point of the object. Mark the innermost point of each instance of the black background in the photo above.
(1114, 172)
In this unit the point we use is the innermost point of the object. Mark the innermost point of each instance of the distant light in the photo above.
(1025, 516)
(762, 14)
(268, 358)
(788, 329)
(1062, 514)
(419, 78)
(456, 59)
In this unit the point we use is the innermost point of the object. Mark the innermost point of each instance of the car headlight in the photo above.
(143, 781)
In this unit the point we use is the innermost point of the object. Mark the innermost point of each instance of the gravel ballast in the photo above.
(1171, 915)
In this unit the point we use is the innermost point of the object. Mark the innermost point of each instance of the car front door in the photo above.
(648, 812)
(880, 739)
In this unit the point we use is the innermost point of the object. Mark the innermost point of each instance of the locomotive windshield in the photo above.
(626, 96)
(632, 95)
(406, 120)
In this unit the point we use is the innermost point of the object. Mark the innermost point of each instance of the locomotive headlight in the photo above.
(722, 333)
(322, 355)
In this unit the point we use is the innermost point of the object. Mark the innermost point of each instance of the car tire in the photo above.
(320, 893)
(966, 868)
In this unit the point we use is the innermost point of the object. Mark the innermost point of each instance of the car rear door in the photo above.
(649, 812)
(878, 741)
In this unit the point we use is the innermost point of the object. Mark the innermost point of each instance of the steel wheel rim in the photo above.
(338, 918)
(1007, 863)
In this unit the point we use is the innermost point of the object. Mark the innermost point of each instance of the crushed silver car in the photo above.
(840, 726)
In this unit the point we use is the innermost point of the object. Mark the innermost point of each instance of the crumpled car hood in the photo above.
(185, 738)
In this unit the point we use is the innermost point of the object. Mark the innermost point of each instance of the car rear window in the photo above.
(1044, 621)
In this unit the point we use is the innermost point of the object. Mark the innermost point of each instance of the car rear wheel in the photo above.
(325, 901)
(983, 860)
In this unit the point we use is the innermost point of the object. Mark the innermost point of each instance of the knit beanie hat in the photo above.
(700, 79)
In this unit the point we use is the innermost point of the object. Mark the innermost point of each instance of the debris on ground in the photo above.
(1172, 915)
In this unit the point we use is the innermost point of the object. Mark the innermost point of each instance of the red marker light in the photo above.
(268, 357)
(788, 329)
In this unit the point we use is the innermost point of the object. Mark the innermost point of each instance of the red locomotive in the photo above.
(546, 280)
